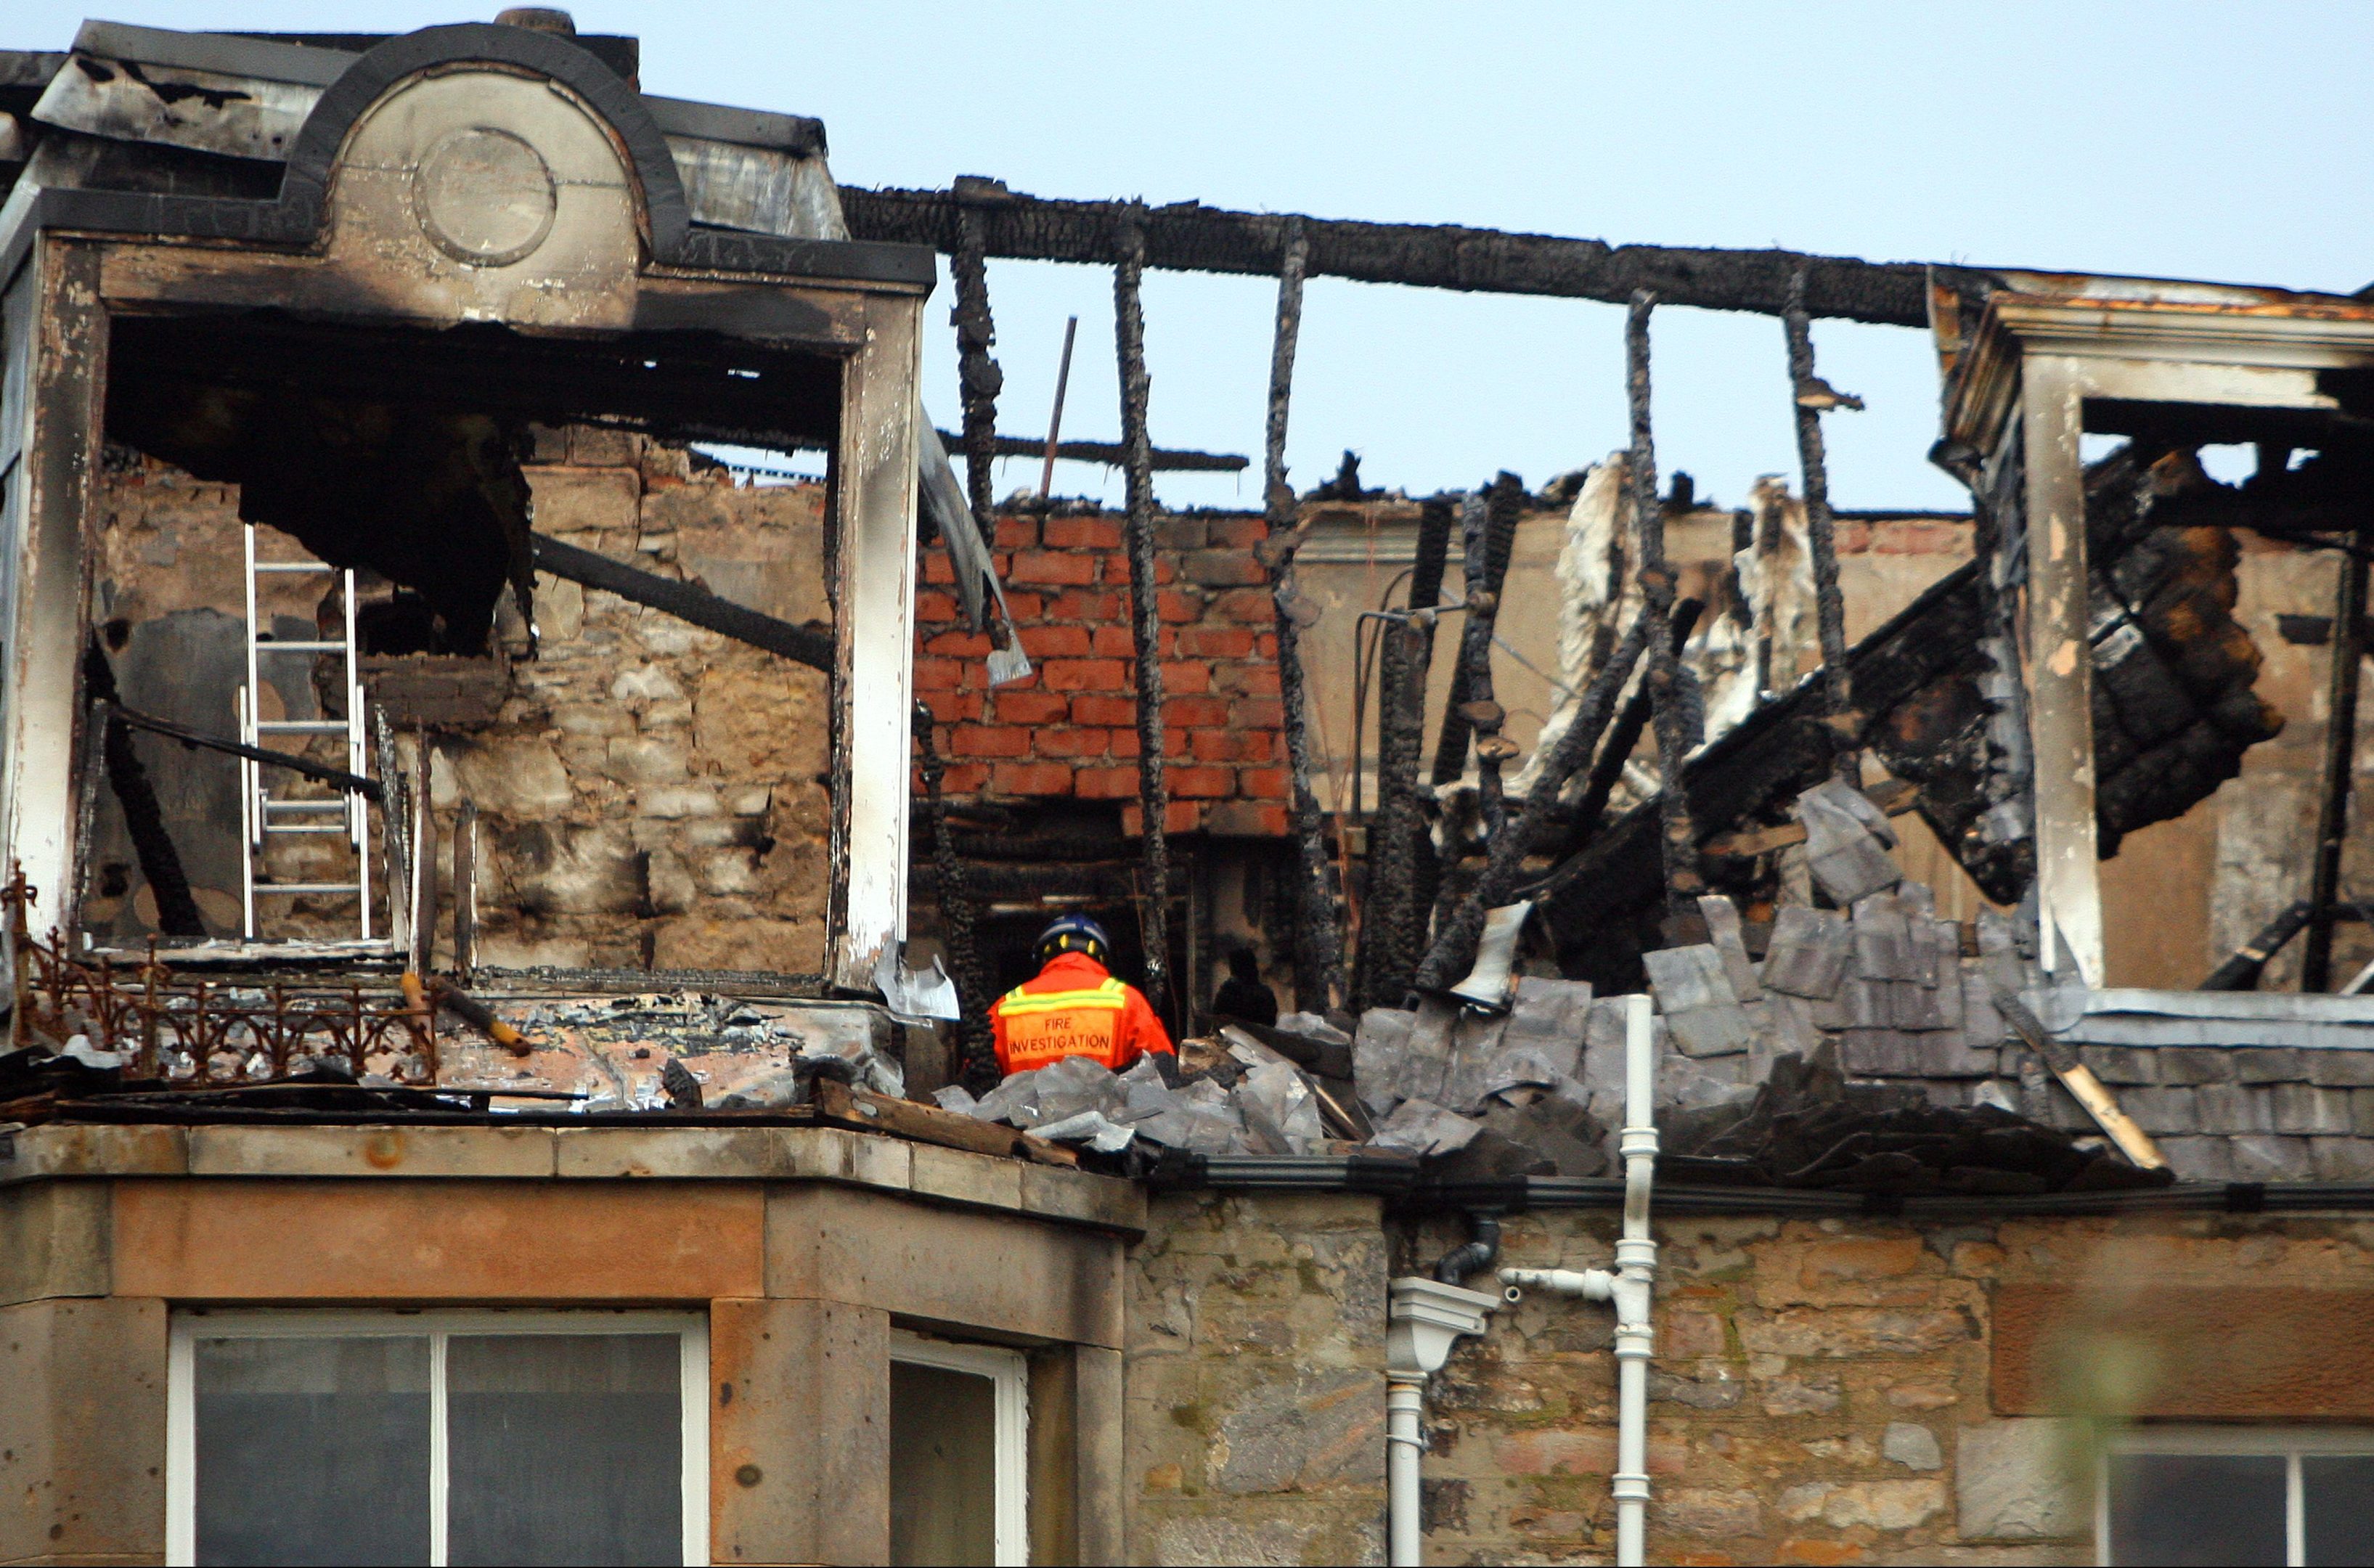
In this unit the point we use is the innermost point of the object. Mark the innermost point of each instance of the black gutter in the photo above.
(1222, 1173)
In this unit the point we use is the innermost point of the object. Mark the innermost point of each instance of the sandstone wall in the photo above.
(650, 794)
(1828, 1391)
(1256, 1381)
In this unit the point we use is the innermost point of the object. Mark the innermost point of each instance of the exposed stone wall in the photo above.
(1828, 1391)
(1256, 1381)
(650, 793)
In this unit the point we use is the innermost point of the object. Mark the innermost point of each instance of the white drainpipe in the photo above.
(1423, 1316)
(1629, 1287)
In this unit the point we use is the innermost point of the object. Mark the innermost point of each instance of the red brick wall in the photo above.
(1070, 730)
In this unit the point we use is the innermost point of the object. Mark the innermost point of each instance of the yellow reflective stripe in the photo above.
(1109, 995)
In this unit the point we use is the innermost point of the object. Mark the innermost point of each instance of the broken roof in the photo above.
(237, 134)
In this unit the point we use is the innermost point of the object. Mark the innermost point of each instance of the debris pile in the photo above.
(1275, 1091)
(1864, 1049)
(1809, 1128)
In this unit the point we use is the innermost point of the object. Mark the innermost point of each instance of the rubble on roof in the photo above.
(2174, 710)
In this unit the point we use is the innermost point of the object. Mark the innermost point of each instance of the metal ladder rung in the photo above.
(262, 817)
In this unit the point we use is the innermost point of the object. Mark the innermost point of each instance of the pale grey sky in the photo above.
(2171, 139)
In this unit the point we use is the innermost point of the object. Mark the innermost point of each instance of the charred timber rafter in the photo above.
(977, 1059)
(1317, 940)
(2339, 766)
(144, 814)
(1672, 709)
(1190, 237)
(1454, 945)
(1392, 927)
(1126, 236)
(684, 602)
(1172, 460)
(1808, 398)
(978, 378)
(1488, 526)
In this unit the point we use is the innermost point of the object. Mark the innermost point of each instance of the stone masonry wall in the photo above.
(650, 794)
(1832, 1391)
(1256, 1426)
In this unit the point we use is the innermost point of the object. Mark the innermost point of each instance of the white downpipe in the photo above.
(1423, 1316)
(1404, 1441)
(1631, 1287)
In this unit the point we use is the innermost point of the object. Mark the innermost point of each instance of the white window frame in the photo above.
(2289, 1444)
(1009, 1374)
(191, 1325)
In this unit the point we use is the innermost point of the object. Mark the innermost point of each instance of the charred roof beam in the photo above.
(1190, 237)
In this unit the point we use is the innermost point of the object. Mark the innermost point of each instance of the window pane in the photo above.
(313, 1450)
(2338, 1495)
(2197, 1508)
(564, 1449)
(942, 1466)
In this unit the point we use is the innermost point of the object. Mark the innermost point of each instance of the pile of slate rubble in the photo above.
(1861, 1049)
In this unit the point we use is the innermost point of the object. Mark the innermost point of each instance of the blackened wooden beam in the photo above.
(1190, 237)
(1673, 711)
(978, 378)
(1318, 938)
(1401, 854)
(1810, 398)
(144, 814)
(1165, 458)
(1455, 942)
(684, 602)
(1125, 238)
(2339, 759)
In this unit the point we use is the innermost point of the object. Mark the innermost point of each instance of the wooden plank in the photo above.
(910, 1119)
(2060, 666)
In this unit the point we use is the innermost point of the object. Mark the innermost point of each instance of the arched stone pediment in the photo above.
(488, 173)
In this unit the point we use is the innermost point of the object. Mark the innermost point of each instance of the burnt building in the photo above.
(1809, 1036)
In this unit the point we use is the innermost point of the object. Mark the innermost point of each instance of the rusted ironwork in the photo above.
(179, 1031)
(1672, 691)
(1128, 240)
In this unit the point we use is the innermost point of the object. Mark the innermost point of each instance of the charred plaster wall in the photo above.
(650, 793)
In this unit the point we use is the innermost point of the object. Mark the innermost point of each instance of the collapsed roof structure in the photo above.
(440, 800)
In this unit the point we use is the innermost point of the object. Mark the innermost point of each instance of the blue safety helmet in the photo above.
(1074, 933)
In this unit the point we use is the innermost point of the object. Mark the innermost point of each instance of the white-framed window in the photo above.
(959, 1453)
(496, 1436)
(2235, 1495)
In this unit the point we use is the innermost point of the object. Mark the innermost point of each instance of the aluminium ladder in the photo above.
(263, 815)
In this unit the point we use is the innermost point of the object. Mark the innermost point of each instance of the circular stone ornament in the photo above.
(484, 197)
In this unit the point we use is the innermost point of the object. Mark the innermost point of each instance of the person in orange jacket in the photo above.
(1073, 1006)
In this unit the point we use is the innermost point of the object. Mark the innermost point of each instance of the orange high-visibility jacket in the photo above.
(1074, 1007)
